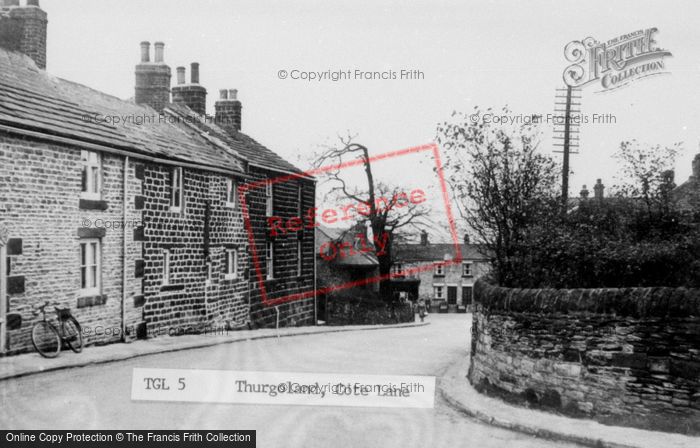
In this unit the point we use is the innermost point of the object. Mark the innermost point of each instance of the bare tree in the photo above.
(500, 182)
(386, 208)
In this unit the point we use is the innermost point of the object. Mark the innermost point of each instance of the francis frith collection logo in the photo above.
(615, 63)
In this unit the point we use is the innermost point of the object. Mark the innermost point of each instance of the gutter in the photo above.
(124, 211)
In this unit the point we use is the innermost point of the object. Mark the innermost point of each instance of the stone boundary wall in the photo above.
(341, 312)
(628, 356)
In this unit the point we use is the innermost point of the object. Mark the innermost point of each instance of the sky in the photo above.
(486, 53)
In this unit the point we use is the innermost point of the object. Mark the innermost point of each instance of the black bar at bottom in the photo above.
(84, 439)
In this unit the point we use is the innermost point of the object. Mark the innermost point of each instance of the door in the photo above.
(452, 295)
(466, 295)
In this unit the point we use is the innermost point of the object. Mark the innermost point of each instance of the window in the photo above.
(90, 269)
(176, 196)
(397, 269)
(439, 268)
(231, 193)
(466, 269)
(166, 267)
(92, 176)
(300, 196)
(268, 199)
(231, 264)
(467, 295)
(270, 260)
(439, 292)
(300, 256)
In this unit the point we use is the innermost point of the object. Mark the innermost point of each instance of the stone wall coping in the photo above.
(632, 302)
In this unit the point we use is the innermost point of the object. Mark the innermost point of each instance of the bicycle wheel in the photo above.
(73, 335)
(46, 340)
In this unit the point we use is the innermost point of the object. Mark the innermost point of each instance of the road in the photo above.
(98, 397)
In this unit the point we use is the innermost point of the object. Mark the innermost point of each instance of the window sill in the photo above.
(167, 288)
(85, 301)
(92, 204)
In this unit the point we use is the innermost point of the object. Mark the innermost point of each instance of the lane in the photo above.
(98, 397)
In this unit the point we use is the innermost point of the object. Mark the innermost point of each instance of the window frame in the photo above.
(269, 199)
(231, 187)
(177, 191)
(300, 259)
(439, 269)
(441, 288)
(270, 260)
(231, 268)
(91, 186)
(96, 263)
(166, 272)
(469, 265)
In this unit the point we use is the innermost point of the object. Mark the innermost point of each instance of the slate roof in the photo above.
(437, 251)
(33, 100)
(360, 259)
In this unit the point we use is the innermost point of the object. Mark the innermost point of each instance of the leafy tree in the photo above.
(501, 183)
(386, 208)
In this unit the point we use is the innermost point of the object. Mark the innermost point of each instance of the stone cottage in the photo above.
(128, 212)
(447, 286)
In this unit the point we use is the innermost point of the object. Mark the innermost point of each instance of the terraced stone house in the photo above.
(138, 225)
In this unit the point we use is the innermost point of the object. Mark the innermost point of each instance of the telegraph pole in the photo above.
(566, 130)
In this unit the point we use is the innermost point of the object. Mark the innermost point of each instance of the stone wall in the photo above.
(343, 312)
(41, 209)
(286, 281)
(203, 229)
(620, 356)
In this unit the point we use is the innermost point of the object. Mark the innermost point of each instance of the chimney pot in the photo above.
(180, 75)
(233, 94)
(194, 73)
(145, 51)
(159, 52)
(223, 94)
(424, 238)
(599, 189)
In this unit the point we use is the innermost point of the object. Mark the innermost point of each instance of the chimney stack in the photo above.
(599, 190)
(696, 168)
(229, 110)
(424, 238)
(466, 239)
(153, 78)
(192, 95)
(23, 29)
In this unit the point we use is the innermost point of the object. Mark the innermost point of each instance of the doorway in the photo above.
(452, 295)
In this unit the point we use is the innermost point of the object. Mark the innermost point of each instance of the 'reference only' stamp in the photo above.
(310, 219)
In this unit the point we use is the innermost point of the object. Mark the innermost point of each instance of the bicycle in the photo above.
(48, 338)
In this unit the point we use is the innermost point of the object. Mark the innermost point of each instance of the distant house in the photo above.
(444, 287)
(687, 194)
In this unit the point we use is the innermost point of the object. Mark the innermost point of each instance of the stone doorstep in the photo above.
(455, 388)
(32, 363)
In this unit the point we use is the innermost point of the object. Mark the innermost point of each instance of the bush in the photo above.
(614, 243)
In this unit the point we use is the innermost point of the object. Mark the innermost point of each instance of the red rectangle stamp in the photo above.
(309, 220)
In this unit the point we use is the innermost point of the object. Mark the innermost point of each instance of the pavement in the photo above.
(32, 363)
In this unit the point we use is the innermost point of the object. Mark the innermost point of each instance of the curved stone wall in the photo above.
(620, 356)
